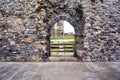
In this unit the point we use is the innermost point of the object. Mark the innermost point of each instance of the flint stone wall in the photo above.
(24, 28)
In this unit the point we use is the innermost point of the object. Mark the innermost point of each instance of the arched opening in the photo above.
(62, 39)
(71, 22)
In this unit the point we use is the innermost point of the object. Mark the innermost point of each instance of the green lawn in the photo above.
(63, 38)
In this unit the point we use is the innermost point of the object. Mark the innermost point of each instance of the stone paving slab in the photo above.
(60, 71)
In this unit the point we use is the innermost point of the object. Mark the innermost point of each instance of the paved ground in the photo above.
(60, 71)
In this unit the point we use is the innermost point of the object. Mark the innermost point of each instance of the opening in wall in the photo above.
(62, 39)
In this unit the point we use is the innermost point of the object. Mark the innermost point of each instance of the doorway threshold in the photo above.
(63, 59)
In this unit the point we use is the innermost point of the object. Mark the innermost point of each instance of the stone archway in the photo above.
(72, 22)
(72, 11)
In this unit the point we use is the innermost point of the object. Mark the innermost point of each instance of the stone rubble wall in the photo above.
(102, 31)
(19, 36)
(24, 24)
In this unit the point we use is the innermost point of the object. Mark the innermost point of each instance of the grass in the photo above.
(63, 38)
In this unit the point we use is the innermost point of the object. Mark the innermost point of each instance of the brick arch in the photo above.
(72, 22)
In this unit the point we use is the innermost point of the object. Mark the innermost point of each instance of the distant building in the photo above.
(58, 29)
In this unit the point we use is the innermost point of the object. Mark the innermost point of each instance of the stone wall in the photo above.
(24, 25)
(103, 31)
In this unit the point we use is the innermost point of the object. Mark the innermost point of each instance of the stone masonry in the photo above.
(25, 27)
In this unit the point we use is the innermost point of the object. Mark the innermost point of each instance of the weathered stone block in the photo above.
(26, 40)
(39, 46)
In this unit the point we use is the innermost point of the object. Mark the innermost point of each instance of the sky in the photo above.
(68, 27)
